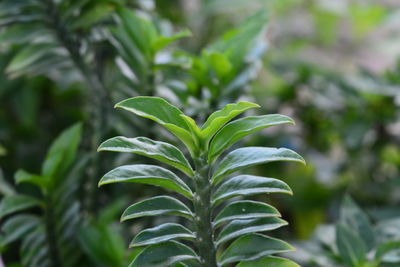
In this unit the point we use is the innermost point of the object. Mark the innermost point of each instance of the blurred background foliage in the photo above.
(331, 65)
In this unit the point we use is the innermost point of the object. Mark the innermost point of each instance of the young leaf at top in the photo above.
(162, 112)
(162, 205)
(147, 174)
(249, 156)
(221, 117)
(234, 131)
(161, 151)
(252, 247)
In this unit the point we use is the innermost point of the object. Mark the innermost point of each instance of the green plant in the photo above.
(354, 241)
(215, 219)
(48, 235)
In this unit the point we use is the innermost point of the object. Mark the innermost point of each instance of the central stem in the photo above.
(202, 208)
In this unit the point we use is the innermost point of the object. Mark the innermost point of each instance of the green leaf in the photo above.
(246, 209)
(241, 227)
(161, 233)
(249, 156)
(221, 117)
(244, 185)
(17, 227)
(161, 151)
(354, 218)
(22, 176)
(103, 244)
(268, 261)
(15, 203)
(220, 63)
(388, 252)
(163, 255)
(141, 31)
(28, 56)
(162, 112)
(164, 41)
(161, 205)
(62, 152)
(147, 174)
(253, 247)
(351, 247)
(234, 131)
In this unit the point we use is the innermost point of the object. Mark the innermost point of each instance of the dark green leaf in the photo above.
(164, 41)
(353, 217)
(62, 152)
(221, 117)
(245, 209)
(29, 55)
(234, 131)
(351, 247)
(18, 226)
(241, 227)
(249, 156)
(268, 261)
(388, 252)
(141, 31)
(161, 205)
(161, 151)
(161, 233)
(162, 112)
(22, 176)
(15, 203)
(252, 247)
(244, 185)
(147, 174)
(164, 255)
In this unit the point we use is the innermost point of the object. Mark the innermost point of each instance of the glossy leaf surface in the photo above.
(245, 157)
(147, 174)
(161, 205)
(252, 247)
(162, 112)
(245, 209)
(244, 185)
(161, 151)
(161, 233)
(221, 117)
(234, 131)
(164, 254)
(241, 227)
(268, 261)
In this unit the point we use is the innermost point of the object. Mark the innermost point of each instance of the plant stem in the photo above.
(202, 208)
(98, 102)
(51, 234)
